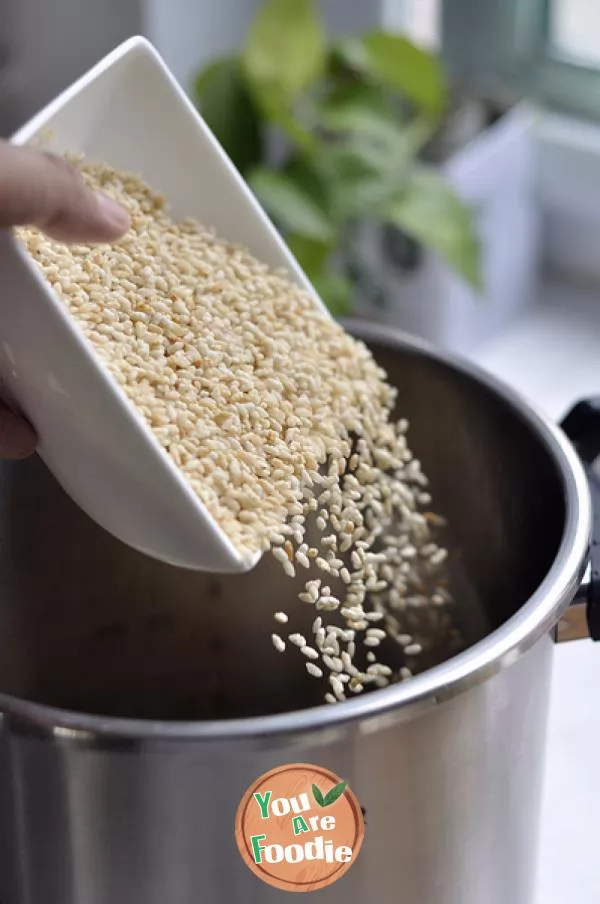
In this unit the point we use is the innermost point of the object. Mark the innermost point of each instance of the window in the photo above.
(545, 49)
(575, 30)
(419, 19)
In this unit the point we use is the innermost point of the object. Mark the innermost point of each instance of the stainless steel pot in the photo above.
(139, 702)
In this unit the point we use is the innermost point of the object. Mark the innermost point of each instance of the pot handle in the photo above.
(582, 619)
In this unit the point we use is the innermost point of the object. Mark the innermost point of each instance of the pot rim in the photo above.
(488, 656)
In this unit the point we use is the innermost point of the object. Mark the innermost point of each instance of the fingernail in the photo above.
(113, 213)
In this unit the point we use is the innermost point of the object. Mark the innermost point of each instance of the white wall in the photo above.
(46, 44)
(189, 33)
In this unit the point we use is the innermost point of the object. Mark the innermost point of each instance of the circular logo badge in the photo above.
(299, 827)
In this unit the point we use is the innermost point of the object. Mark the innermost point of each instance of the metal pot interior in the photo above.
(89, 625)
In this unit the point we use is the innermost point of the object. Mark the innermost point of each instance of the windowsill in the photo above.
(552, 356)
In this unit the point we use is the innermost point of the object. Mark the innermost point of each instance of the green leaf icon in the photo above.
(318, 796)
(335, 793)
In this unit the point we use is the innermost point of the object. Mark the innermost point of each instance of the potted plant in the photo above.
(331, 137)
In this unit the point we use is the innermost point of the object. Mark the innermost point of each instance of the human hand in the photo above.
(38, 189)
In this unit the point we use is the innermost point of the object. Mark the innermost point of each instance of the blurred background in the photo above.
(435, 166)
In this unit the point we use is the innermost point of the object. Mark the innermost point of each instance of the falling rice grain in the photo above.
(237, 372)
(278, 643)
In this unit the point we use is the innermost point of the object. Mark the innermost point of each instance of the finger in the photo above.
(17, 436)
(42, 190)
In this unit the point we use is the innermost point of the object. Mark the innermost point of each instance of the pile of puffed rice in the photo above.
(280, 421)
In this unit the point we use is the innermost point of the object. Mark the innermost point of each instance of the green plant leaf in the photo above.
(271, 102)
(335, 793)
(352, 53)
(311, 255)
(318, 796)
(290, 206)
(393, 60)
(357, 186)
(378, 125)
(375, 133)
(228, 108)
(305, 171)
(345, 83)
(285, 49)
(360, 118)
(430, 211)
(335, 291)
(368, 164)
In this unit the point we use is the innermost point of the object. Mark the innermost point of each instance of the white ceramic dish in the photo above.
(130, 112)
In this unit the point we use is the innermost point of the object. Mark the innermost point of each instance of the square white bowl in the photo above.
(130, 112)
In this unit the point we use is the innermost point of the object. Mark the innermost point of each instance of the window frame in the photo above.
(512, 56)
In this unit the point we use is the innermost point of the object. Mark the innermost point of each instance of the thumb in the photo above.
(17, 437)
(39, 189)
